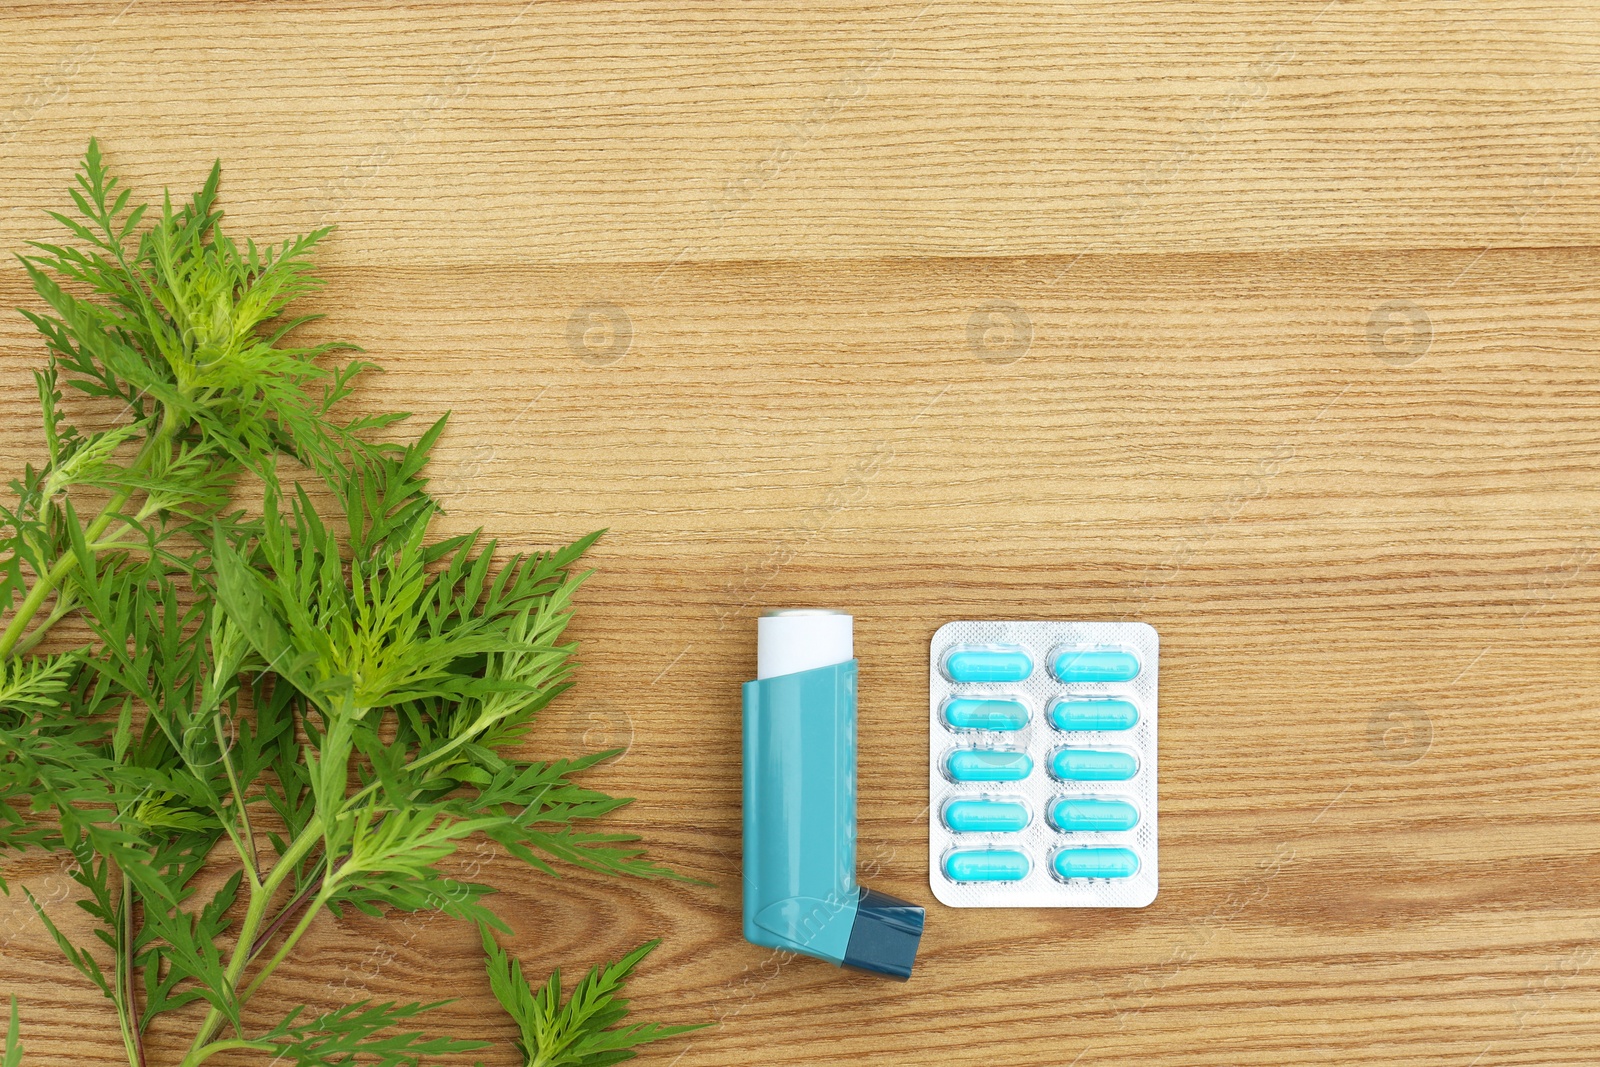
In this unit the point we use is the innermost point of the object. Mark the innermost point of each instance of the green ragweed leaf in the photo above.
(12, 1056)
(359, 1032)
(582, 1031)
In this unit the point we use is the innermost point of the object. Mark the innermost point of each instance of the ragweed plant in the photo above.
(312, 704)
(586, 1029)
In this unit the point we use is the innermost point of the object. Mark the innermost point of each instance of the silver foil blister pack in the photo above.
(1042, 764)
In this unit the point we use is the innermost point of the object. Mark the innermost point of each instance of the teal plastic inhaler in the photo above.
(800, 891)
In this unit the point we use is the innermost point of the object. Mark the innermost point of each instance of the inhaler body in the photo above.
(800, 891)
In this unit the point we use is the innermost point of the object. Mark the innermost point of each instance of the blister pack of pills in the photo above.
(1042, 764)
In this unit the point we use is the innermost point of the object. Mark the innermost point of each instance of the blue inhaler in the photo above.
(800, 891)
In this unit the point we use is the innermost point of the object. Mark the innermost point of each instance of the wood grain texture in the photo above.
(1273, 325)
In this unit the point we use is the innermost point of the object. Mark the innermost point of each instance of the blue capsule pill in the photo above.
(1093, 765)
(1093, 813)
(1096, 863)
(986, 865)
(985, 816)
(1093, 715)
(1095, 665)
(988, 765)
(966, 713)
(988, 665)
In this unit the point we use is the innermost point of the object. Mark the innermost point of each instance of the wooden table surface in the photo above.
(1273, 325)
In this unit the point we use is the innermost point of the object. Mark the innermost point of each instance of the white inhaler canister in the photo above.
(794, 640)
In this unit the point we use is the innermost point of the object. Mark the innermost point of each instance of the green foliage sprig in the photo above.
(315, 698)
(584, 1030)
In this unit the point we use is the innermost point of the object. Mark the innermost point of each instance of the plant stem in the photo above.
(199, 1055)
(48, 582)
(127, 1005)
(288, 943)
(64, 603)
(252, 861)
(253, 938)
(312, 888)
(260, 897)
